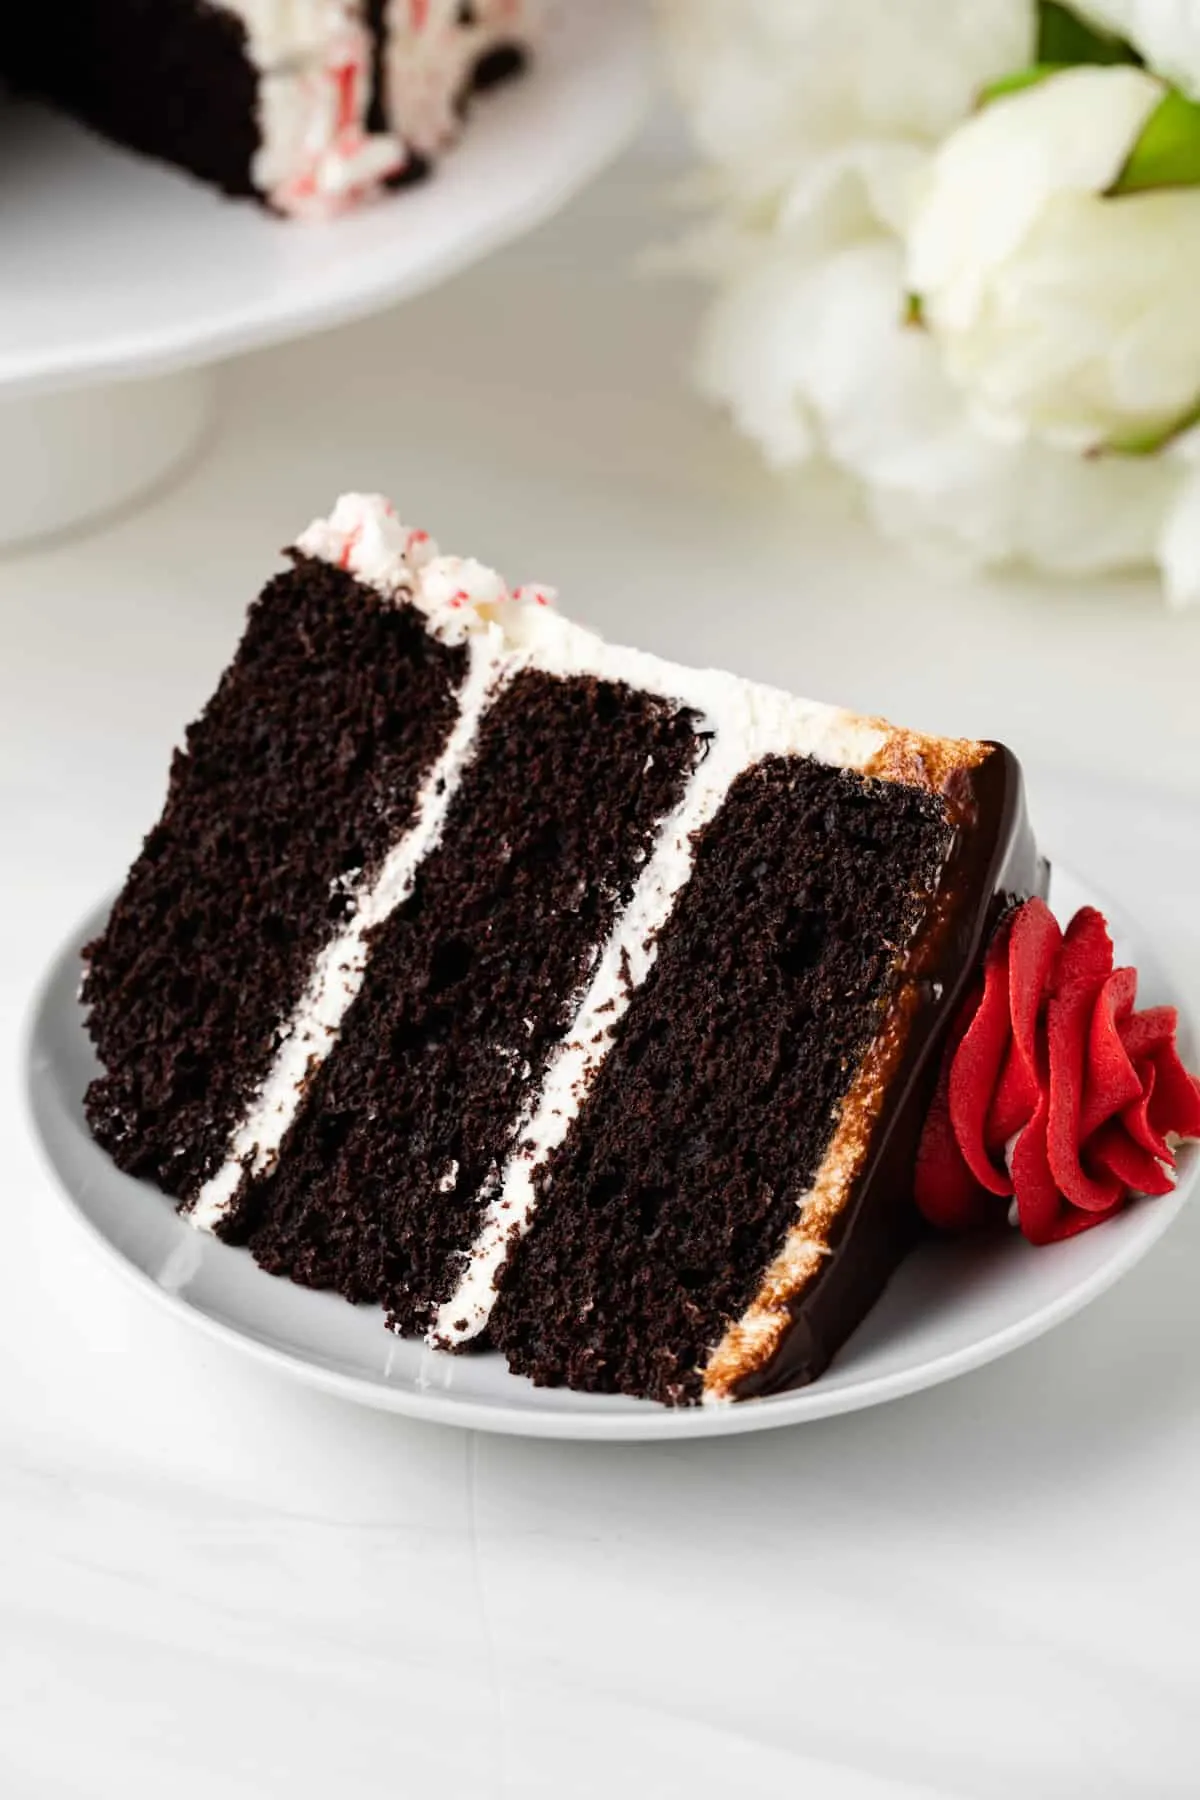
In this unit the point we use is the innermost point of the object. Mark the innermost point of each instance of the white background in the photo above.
(214, 1583)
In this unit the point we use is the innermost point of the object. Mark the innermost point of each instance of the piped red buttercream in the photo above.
(1054, 1091)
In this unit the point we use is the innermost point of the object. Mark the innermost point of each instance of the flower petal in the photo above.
(1178, 549)
(1167, 35)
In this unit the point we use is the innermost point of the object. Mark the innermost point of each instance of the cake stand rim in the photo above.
(600, 56)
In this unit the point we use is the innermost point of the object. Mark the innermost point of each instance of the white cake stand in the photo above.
(124, 282)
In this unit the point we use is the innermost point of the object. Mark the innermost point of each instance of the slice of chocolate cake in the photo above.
(309, 105)
(552, 996)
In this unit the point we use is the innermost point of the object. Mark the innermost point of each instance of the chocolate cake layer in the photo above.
(993, 865)
(375, 12)
(171, 78)
(716, 1106)
(469, 986)
(300, 773)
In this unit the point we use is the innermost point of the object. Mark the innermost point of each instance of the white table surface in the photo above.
(215, 1583)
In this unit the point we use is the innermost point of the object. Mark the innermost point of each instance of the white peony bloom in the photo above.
(1165, 32)
(814, 357)
(774, 86)
(850, 167)
(1060, 313)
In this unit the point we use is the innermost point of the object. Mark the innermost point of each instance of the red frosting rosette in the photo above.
(1053, 1090)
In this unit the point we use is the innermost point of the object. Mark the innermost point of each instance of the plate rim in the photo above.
(657, 1423)
(611, 33)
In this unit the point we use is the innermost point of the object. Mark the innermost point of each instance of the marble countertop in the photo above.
(215, 1582)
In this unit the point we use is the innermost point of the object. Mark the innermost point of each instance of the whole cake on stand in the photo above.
(124, 282)
(308, 105)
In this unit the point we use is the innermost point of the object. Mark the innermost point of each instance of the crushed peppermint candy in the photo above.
(364, 536)
(319, 118)
(458, 581)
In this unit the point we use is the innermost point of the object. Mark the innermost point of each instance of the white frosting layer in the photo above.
(337, 975)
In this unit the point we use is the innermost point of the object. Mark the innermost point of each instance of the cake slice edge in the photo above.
(857, 1221)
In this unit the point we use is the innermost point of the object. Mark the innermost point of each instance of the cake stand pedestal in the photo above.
(124, 281)
(68, 459)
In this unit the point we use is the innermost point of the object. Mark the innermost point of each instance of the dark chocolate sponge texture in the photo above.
(171, 78)
(300, 772)
(469, 986)
(716, 1104)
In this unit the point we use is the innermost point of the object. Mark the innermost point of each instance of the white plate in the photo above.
(951, 1307)
(117, 266)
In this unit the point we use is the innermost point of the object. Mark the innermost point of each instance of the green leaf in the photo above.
(914, 311)
(1017, 81)
(1064, 41)
(1149, 443)
(1063, 37)
(1167, 153)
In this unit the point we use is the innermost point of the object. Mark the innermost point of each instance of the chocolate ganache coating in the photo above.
(991, 866)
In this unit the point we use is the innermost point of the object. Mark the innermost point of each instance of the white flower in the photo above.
(774, 86)
(1059, 312)
(849, 166)
(813, 357)
(1165, 32)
